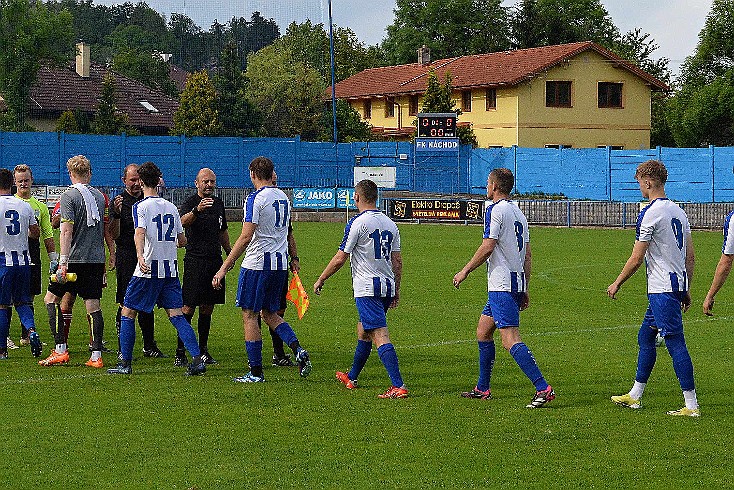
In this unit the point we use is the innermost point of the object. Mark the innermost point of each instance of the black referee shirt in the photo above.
(203, 234)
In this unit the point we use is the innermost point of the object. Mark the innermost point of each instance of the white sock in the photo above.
(691, 400)
(637, 389)
(60, 348)
(96, 354)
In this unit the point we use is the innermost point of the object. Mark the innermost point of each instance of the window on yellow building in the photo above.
(367, 108)
(466, 101)
(389, 107)
(491, 96)
(610, 95)
(413, 105)
(558, 94)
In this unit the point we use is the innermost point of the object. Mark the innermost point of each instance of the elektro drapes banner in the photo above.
(436, 209)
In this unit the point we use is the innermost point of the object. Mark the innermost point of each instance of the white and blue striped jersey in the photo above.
(16, 216)
(664, 225)
(504, 222)
(728, 247)
(370, 238)
(269, 209)
(162, 224)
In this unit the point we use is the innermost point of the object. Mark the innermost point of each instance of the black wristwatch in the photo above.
(195, 211)
(294, 257)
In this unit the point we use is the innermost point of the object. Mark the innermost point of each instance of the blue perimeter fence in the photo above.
(601, 174)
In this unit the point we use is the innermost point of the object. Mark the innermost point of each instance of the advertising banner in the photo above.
(436, 209)
(318, 198)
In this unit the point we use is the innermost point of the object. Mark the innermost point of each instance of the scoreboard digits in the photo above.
(437, 125)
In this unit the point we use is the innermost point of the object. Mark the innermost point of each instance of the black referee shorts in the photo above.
(197, 282)
(125, 268)
(88, 284)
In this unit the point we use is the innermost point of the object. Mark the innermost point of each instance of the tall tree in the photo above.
(438, 99)
(238, 116)
(147, 68)
(448, 27)
(108, 120)
(349, 125)
(289, 93)
(702, 111)
(197, 111)
(29, 35)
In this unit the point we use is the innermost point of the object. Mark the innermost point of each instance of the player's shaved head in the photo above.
(503, 178)
(367, 189)
(653, 170)
(205, 174)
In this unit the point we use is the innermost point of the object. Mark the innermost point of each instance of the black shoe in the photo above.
(180, 359)
(153, 352)
(284, 361)
(304, 363)
(196, 369)
(103, 349)
(207, 358)
(121, 369)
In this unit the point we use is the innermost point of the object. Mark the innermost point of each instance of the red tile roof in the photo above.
(504, 68)
(61, 89)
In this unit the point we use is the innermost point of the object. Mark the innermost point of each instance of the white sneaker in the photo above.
(11, 344)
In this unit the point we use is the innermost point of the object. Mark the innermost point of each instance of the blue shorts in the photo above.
(260, 290)
(504, 308)
(372, 311)
(15, 285)
(664, 313)
(143, 294)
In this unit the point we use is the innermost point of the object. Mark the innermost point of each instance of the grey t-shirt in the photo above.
(87, 242)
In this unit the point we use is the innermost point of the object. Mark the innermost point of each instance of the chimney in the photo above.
(424, 55)
(82, 60)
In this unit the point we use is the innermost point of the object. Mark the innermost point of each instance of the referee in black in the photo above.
(205, 223)
(122, 230)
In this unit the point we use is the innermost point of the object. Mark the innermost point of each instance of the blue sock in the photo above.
(389, 359)
(25, 314)
(682, 364)
(648, 353)
(524, 358)
(186, 334)
(127, 337)
(4, 328)
(486, 363)
(254, 352)
(361, 354)
(286, 333)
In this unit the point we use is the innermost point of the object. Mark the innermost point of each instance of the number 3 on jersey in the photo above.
(518, 233)
(382, 242)
(14, 227)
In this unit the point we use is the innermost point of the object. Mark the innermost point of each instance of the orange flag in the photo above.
(297, 295)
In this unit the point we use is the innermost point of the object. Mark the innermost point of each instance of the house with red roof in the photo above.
(577, 95)
(79, 87)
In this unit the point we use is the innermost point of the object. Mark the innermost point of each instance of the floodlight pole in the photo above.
(333, 87)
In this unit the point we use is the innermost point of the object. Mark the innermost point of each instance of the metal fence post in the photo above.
(568, 214)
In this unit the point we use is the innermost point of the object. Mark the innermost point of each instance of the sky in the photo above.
(673, 24)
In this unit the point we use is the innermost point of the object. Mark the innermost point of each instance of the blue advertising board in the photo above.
(318, 198)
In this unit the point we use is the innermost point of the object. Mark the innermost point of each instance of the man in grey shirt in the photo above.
(84, 216)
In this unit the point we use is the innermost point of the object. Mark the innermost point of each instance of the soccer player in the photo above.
(158, 233)
(663, 241)
(724, 266)
(17, 224)
(372, 242)
(204, 219)
(122, 229)
(264, 269)
(506, 250)
(24, 182)
(82, 240)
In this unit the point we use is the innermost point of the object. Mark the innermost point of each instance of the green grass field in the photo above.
(74, 427)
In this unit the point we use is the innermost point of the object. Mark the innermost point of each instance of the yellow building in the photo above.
(576, 95)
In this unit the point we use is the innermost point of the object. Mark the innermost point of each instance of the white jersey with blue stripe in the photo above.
(504, 222)
(162, 224)
(16, 217)
(370, 238)
(728, 247)
(269, 209)
(664, 225)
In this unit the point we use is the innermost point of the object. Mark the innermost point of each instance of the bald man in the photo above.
(203, 218)
(122, 229)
